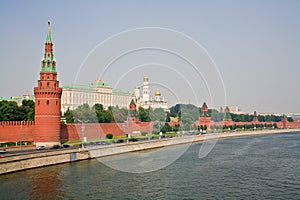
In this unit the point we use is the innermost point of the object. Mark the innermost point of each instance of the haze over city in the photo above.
(254, 44)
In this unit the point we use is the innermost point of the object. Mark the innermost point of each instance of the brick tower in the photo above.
(204, 119)
(47, 100)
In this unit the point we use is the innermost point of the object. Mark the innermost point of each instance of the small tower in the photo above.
(204, 119)
(255, 119)
(47, 99)
(132, 113)
(137, 92)
(157, 95)
(227, 118)
(146, 93)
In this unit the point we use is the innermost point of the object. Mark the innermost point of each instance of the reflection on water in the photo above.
(45, 184)
(261, 167)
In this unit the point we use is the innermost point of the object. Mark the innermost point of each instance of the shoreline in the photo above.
(41, 159)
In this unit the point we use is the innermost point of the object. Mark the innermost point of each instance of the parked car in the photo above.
(3, 151)
(56, 147)
(132, 140)
(119, 141)
(41, 148)
(66, 146)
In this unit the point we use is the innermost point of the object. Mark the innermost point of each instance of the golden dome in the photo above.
(157, 93)
(146, 79)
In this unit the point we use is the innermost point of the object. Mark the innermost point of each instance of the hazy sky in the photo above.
(253, 48)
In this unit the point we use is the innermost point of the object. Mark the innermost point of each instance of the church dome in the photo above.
(157, 93)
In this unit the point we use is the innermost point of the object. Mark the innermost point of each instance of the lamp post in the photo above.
(82, 133)
(21, 135)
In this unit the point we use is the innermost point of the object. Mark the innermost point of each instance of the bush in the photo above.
(109, 136)
(144, 133)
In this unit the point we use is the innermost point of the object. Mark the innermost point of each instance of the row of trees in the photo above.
(10, 111)
(186, 113)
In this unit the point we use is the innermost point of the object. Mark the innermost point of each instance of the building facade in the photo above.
(97, 92)
(146, 101)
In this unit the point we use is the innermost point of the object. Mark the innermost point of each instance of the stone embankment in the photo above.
(28, 161)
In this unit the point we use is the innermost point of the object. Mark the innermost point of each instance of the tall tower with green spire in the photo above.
(47, 99)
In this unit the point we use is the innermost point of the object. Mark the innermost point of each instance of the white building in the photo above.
(97, 92)
(146, 101)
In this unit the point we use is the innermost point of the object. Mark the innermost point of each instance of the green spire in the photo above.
(48, 39)
(48, 63)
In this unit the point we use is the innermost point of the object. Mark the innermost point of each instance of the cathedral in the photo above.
(146, 101)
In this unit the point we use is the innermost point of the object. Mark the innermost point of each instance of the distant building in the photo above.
(19, 99)
(97, 92)
(146, 101)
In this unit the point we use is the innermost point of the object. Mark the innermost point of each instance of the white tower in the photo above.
(137, 92)
(146, 89)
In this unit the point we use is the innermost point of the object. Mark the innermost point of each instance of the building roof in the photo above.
(78, 87)
(98, 83)
(117, 91)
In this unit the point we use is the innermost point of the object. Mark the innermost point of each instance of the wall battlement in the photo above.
(16, 123)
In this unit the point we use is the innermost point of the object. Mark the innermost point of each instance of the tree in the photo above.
(144, 115)
(69, 116)
(166, 128)
(10, 111)
(157, 114)
(109, 136)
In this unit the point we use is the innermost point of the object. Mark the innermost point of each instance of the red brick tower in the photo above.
(47, 100)
(227, 121)
(204, 119)
(255, 119)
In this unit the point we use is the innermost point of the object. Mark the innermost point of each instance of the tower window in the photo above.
(48, 77)
(48, 84)
(47, 102)
(56, 102)
(38, 102)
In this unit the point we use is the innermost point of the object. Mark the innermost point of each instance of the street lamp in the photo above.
(21, 135)
(82, 132)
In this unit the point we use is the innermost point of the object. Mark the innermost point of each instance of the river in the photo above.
(258, 167)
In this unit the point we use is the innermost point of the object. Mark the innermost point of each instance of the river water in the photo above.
(258, 167)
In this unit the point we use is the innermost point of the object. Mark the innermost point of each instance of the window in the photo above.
(38, 102)
(56, 102)
(47, 102)
(48, 84)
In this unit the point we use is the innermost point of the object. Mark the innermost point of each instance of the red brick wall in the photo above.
(11, 131)
(71, 132)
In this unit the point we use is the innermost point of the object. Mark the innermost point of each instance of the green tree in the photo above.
(109, 136)
(144, 115)
(69, 116)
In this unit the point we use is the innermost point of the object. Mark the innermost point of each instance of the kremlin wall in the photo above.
(48, 130)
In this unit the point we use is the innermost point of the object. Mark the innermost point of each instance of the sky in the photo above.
(242, 53)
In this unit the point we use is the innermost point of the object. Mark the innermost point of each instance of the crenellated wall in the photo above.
(14, 131)
(72, 132)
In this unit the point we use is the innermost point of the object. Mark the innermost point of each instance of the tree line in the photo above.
(10, 111)
(185, 113)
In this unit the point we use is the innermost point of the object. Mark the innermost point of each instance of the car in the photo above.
(66, 146)
(102, 143)
(119, 141)
(3, 151)
(56, 147)
(132, 140)
(41, 148)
